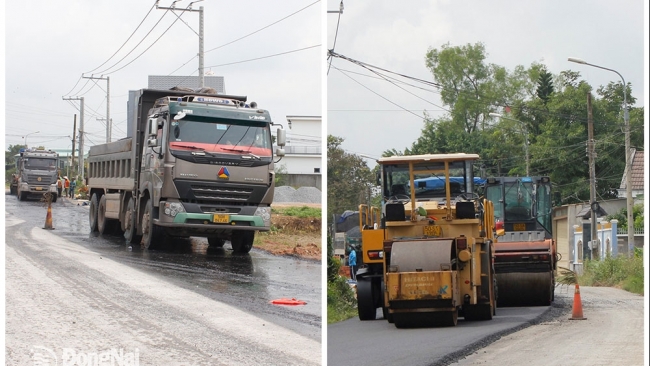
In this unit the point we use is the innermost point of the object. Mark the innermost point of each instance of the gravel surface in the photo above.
(612, 334)
(288, 194)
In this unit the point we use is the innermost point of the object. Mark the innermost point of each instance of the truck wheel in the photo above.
(92, 213)
(242, 241)
(131, 230)
(215, 242)
(104, 225)
(152, 235)
(53, 197)
(12, 190)
(22, 196)
(365, 301)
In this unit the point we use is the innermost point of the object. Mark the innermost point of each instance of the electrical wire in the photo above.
(250, 34)
(336, 34)
(264, 57)
(379, 95)
(127, 40)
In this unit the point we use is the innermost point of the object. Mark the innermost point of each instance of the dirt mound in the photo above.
(292, 224)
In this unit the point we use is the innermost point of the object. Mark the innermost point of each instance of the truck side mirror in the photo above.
(153, 126)
(281, 137)
(279, 151)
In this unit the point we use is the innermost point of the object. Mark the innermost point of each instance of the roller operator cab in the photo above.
(526, 254)
(193, 164)
(434, 239)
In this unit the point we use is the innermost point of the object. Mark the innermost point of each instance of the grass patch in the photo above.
(302, 212)
(341, 303)
(621, 272)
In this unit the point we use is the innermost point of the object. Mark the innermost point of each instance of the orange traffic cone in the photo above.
(48, 218)
(577, 305)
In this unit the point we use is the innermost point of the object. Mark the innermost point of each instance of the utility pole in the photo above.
(591, 152)
(108, 104)
(201, 38)
(74, 137)
(105, 120)
(81, 135)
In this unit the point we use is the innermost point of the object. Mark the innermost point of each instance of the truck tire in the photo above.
(131, 230)
(242, 241)
(152, 235)
(53, 197)
(365, 300)
(22, 196)
(92, 213)
(104, 225)
(215, 242)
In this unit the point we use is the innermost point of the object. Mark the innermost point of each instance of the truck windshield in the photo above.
(40, 164)
(220, 136)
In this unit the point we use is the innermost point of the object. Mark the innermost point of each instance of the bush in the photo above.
(341, 303)
(621, 272)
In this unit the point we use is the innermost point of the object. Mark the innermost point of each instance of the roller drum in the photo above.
(524, 289)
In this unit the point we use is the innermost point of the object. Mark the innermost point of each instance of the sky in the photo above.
(396, 37)
(49, 45)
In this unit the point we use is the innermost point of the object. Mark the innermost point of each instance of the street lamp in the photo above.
(525, 137)
(628, 159)
(25, 137)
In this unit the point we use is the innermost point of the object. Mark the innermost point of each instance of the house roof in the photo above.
(637, 171)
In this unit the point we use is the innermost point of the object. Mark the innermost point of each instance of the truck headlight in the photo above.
(265, 214)
(173, 208)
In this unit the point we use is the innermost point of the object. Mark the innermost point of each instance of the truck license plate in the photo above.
(519, 227)
(38, 188)
(432, 230)
(221, 218)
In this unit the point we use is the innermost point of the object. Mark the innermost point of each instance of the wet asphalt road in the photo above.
(248, 282)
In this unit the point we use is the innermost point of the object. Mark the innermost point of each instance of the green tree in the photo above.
(545, 86)
(621, 216)
(10, 163)
(348, 178)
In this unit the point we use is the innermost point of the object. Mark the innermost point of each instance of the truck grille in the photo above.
(205, 192)
(220, 193)
(45, 180)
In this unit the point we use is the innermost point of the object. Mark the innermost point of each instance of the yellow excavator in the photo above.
(428, 254)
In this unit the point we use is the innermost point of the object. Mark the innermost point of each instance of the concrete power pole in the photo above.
(81, 135)
(108, 104)
(201, 38)
(592, 172)
(74, 138)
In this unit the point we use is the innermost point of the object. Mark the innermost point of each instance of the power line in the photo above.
(379, 95)
(105, 72)
(261, 29)
(264, 57)
(127, 40)
(336, 34)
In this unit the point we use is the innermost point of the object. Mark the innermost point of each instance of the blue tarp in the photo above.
(433, 183)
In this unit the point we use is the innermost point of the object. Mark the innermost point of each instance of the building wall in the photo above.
(303, 161)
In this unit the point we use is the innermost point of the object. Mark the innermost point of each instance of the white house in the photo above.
(303, 160)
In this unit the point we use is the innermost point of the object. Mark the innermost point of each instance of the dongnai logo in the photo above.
(70, 356)
(39, 179)
(223, 173)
